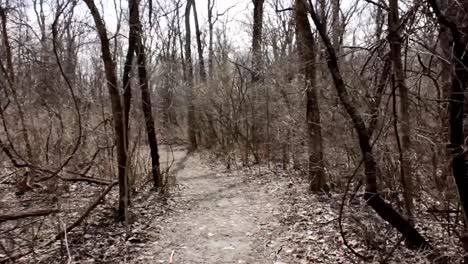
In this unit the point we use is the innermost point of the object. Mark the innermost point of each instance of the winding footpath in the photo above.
(225, 219)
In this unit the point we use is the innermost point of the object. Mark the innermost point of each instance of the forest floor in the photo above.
(258, 214)
(263, 214)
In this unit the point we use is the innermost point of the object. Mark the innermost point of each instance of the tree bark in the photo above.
(306, 47)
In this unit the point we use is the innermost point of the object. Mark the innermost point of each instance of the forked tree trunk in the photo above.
(371, 170)
(117, 109)
(306, 47)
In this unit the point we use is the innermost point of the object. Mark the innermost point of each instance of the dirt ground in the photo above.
(225, 219)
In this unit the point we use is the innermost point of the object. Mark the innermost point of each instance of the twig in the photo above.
(66, 242)
(172, 255)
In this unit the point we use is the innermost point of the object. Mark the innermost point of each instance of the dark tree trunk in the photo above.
(210, 37)
(117, 109)
(192, 133)
(148, 114)
(132, 42)
(201, 62)
(257, 64)
(452, 15)
(146, 103)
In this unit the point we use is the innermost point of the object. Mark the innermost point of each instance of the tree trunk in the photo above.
(395, 55)
(192, 132)
(210, 38)
(147, 111)
(117, 109)
(201, 62)
(336, 26)
(306, 47)
(257, 64)
(451, 14)
(132, 42)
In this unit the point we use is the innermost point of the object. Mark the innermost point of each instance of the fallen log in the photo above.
(84, 179)
(8, 216)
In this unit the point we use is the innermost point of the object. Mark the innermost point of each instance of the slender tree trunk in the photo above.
(252, 124)
(146, 104)
(201, 62)
(210, 38)
(336, 26)
(395, 54)
(132, 42)
(257, 40)
(192, 132)
(117, 109)
(148, 113)
(306, 47)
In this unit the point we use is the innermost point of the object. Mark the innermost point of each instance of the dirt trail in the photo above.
(225, 219)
